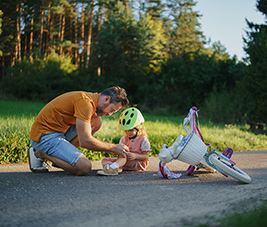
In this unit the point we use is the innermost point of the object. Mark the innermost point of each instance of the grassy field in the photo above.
(16, 118)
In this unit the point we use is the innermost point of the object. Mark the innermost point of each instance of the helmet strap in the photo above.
(133, 137)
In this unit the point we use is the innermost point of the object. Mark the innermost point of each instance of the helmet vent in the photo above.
(132, 115)
(128, 122)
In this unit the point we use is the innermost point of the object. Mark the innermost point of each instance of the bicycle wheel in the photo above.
(230, 170)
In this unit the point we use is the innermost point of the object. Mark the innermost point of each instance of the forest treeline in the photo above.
(155, 49)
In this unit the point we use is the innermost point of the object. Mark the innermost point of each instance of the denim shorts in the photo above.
(57, 144)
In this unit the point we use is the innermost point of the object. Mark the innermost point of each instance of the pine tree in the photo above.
(154, 8)
(185, 34)
(127, 50)
(255, 74)
(8, 37)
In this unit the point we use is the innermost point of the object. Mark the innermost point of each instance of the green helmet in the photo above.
(130, 118)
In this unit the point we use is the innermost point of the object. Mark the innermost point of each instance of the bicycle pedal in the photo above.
(228, 152)
(190, 170)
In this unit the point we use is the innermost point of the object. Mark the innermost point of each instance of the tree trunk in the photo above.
(52, 47)
(19, 33)
(25, 44)
(98, 28)
(82, 21)
(59, 30)
(76, 44)
(89, 37)
(3, 65)
(71, 9)
(99, 18)
(42, 29)
(14, 59)
(31, 40)
(62, 33)
(46, 47)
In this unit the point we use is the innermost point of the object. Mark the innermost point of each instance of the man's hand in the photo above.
(120, 149)
(89, 142)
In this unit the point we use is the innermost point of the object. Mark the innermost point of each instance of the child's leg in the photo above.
(108, 161)
(119, 162)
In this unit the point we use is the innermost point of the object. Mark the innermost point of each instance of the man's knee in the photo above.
(96, 123)
(83, 166)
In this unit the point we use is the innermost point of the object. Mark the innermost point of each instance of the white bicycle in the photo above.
(192, 150)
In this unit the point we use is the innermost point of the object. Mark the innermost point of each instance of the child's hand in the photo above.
(131, 156)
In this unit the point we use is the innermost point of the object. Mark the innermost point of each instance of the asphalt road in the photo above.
(130, 199)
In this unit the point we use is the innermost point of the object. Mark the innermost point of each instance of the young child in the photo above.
(136, 139)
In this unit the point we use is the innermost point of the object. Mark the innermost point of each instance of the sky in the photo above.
(224, 21)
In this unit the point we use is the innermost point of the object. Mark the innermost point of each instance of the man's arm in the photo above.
(89, 142)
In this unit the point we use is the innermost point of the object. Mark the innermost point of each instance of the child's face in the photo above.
(131, 133)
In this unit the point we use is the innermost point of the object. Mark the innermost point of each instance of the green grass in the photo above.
(253, 218)
(16, 118)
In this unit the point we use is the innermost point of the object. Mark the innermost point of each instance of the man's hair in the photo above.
(116, 94)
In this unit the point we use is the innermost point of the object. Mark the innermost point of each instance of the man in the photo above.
(69, 121)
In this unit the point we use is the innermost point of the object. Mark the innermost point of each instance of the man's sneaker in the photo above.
(107, 171)
(36, 164)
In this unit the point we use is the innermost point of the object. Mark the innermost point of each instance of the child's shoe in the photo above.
(107, 171)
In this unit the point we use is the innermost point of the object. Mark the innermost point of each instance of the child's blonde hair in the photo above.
(141, 131)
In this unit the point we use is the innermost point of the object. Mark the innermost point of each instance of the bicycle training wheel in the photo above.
(230, 170)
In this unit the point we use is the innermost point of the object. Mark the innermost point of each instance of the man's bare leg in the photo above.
(82, 166)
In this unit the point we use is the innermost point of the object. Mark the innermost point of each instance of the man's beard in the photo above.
(100, 109)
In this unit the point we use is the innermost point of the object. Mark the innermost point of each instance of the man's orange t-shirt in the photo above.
(59, 114)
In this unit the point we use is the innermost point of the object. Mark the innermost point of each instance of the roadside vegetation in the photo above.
(16, 118)
(253, 218)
